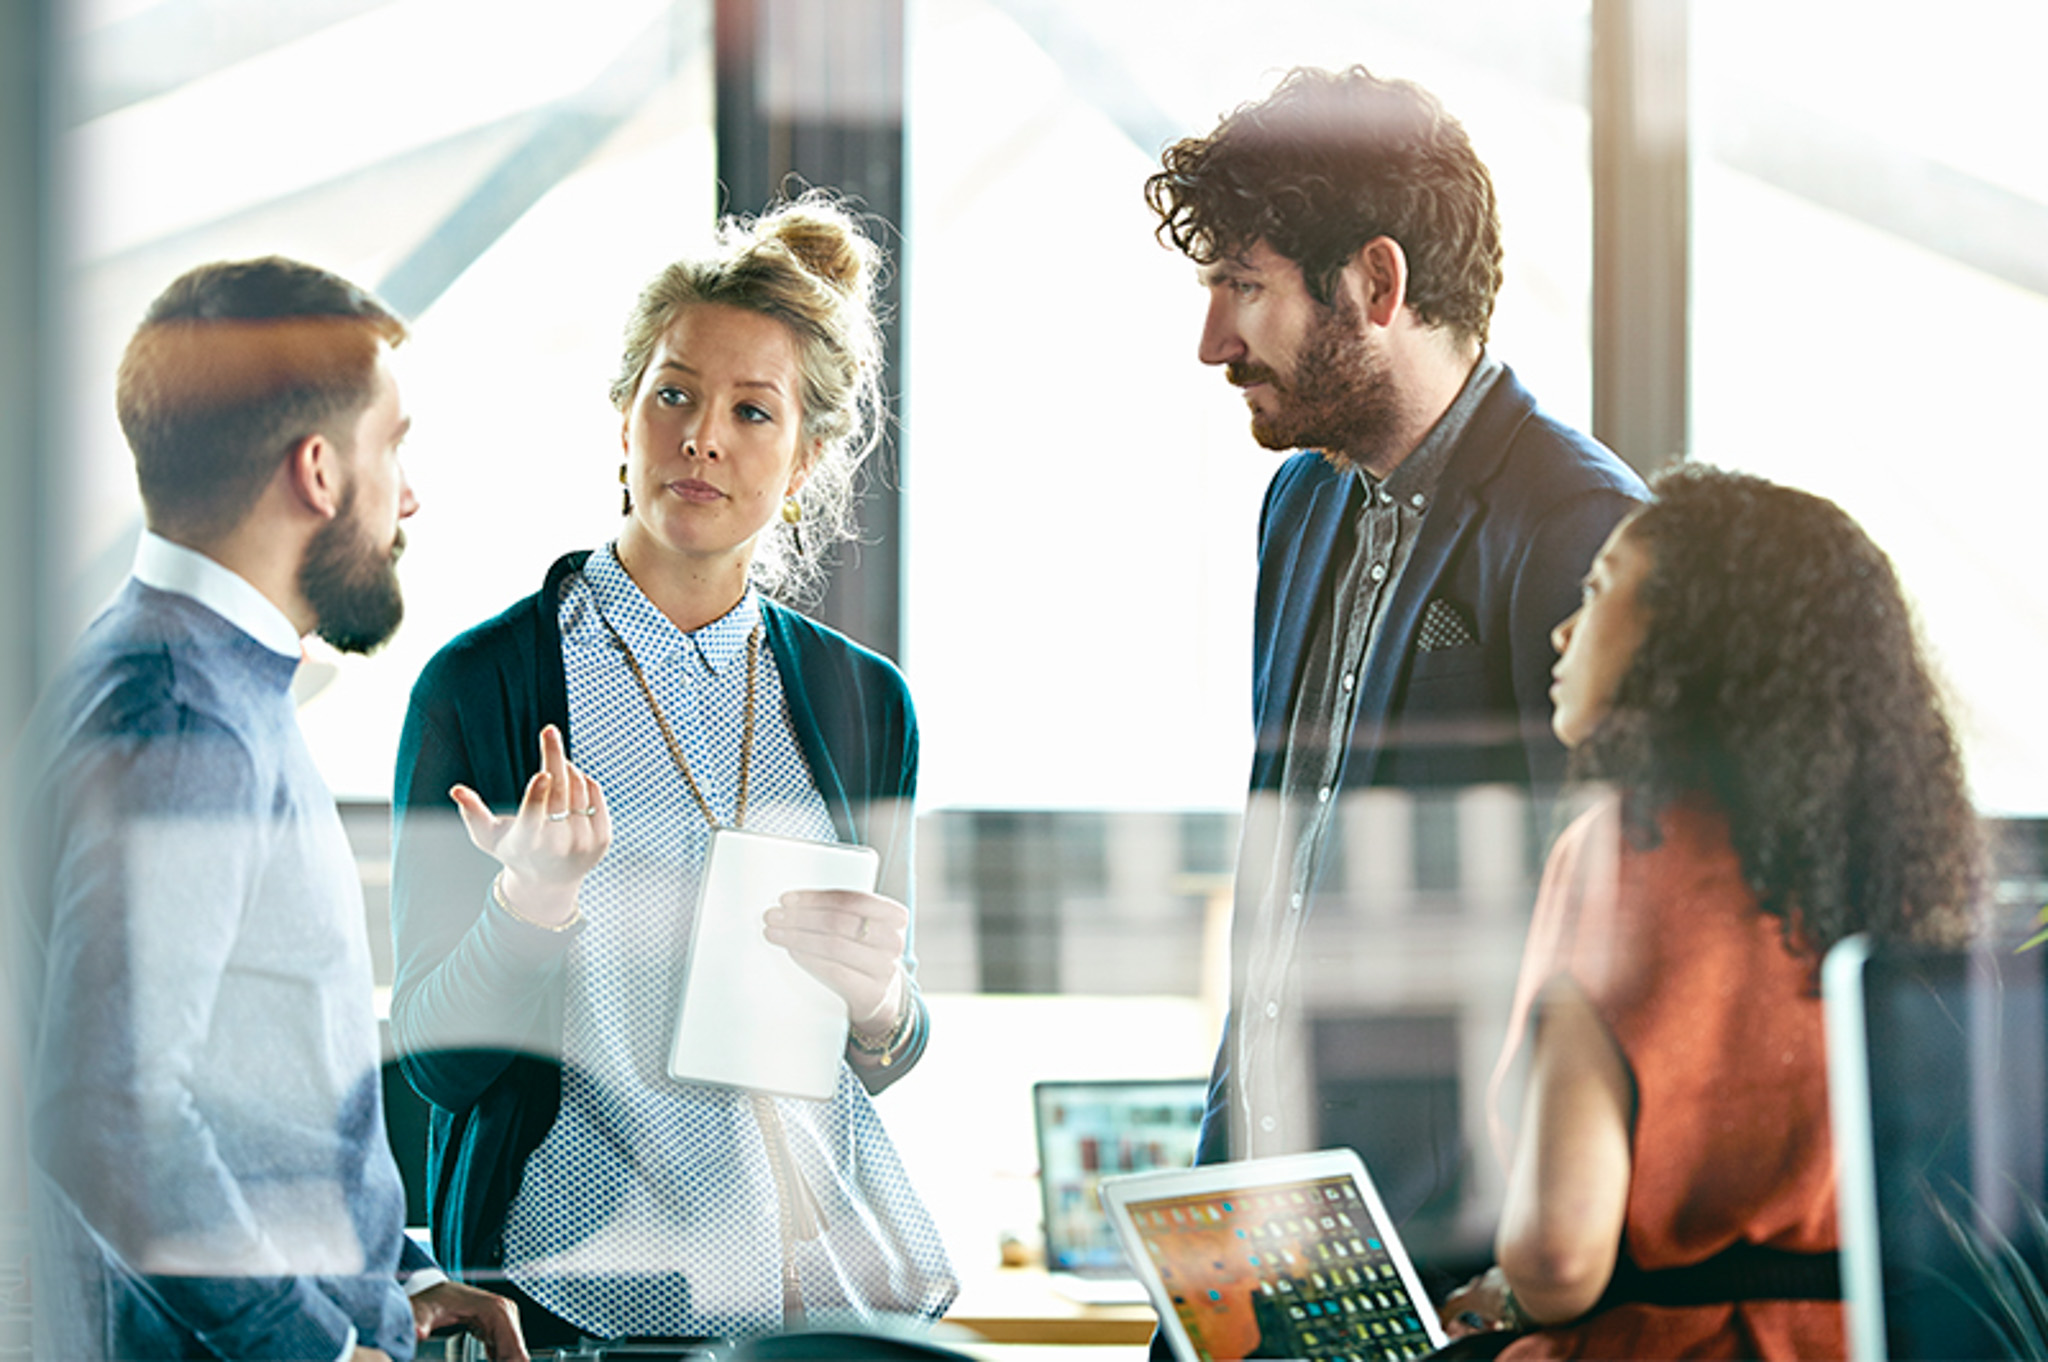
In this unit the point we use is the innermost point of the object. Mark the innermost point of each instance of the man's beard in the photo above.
(352, 584)
(1341, 399)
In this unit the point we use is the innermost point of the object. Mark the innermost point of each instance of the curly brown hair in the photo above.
(1328, 162)
(1782, 676)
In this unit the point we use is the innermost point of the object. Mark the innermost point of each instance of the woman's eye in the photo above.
(1244, 288)
(751, 413)
(671, 397)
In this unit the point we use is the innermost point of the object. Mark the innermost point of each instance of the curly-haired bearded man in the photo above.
(1413, 556)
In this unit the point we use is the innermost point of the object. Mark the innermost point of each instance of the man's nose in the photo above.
(408, 501)
(1220, 342)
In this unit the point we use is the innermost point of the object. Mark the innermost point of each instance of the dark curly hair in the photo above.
(1781, 675)
(1328, 162)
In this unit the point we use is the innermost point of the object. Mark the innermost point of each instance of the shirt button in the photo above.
(1386, 497)
(1323, 795)
(1417, 500)
(1349, 681)
(1379, 572)
(1294, 902)
(1267, 1123)
(1272, 1010)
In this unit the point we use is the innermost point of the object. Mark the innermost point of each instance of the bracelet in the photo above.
(498, 897)
(886, 1049)
(1512, 1316)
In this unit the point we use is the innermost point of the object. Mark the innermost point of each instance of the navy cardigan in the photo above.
(476, 1010)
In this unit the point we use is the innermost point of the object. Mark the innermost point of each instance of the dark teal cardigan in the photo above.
(476, 1010)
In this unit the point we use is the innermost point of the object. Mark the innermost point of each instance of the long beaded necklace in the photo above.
(675, 749)
(796, 1204)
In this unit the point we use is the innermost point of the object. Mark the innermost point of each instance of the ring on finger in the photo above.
(590, 812)
(860, 933)
(558, 817)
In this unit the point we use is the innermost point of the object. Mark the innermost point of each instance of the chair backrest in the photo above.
(406, 1118)
(825, 1345)
(1938, 1076)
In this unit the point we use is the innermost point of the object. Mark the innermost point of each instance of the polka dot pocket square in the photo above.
(1444, 625)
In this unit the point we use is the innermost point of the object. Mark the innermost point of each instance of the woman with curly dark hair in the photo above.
(1743, 673)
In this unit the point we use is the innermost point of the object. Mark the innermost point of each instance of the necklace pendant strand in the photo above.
(675, 749)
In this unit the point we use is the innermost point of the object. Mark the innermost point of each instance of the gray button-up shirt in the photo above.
(1288, 832)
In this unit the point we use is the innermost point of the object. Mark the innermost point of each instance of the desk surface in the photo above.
(1047, 1352)
(1020, 1305)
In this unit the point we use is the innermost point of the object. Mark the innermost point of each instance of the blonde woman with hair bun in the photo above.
(591, 738)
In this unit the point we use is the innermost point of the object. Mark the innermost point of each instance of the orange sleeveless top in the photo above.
(1720, 1025)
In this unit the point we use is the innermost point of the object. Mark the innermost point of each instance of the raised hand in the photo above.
(560, 831)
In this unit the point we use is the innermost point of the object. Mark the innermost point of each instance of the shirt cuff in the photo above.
(348, 1346)
(424, 1280)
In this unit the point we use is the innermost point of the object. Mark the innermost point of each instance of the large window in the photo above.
(1079, 494)
(1082, 493)
(1870, 247)
(508, 179)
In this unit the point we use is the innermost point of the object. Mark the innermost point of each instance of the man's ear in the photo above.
(313, 472)
(1378, 279)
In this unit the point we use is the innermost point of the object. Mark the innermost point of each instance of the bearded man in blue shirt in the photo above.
(211, 1174)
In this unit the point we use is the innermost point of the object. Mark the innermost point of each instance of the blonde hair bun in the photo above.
(826, 240)
(809, 264)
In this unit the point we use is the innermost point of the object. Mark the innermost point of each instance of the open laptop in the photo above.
(1938, 1088)
(1092, 1129)
(1283, 1257)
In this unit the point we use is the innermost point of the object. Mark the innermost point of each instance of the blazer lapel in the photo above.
(1459, 506)
(1443, 530)
(1298, 590)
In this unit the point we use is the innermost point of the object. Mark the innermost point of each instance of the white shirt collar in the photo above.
(652, 634)
(172, 567)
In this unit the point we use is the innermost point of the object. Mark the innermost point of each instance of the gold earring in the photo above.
(792, 516)
(625, 493)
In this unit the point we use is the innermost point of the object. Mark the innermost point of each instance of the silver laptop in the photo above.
(1092, 1129)
(1282, 1257)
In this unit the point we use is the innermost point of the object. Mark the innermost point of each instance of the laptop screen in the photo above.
(1089, 1130)
(1287, 1269)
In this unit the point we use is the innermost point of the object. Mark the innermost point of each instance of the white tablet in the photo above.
(750, 1016)
(1281, 1257)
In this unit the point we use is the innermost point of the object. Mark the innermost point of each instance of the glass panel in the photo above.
(1870, 260)
(1083, 493)
(512, 203)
